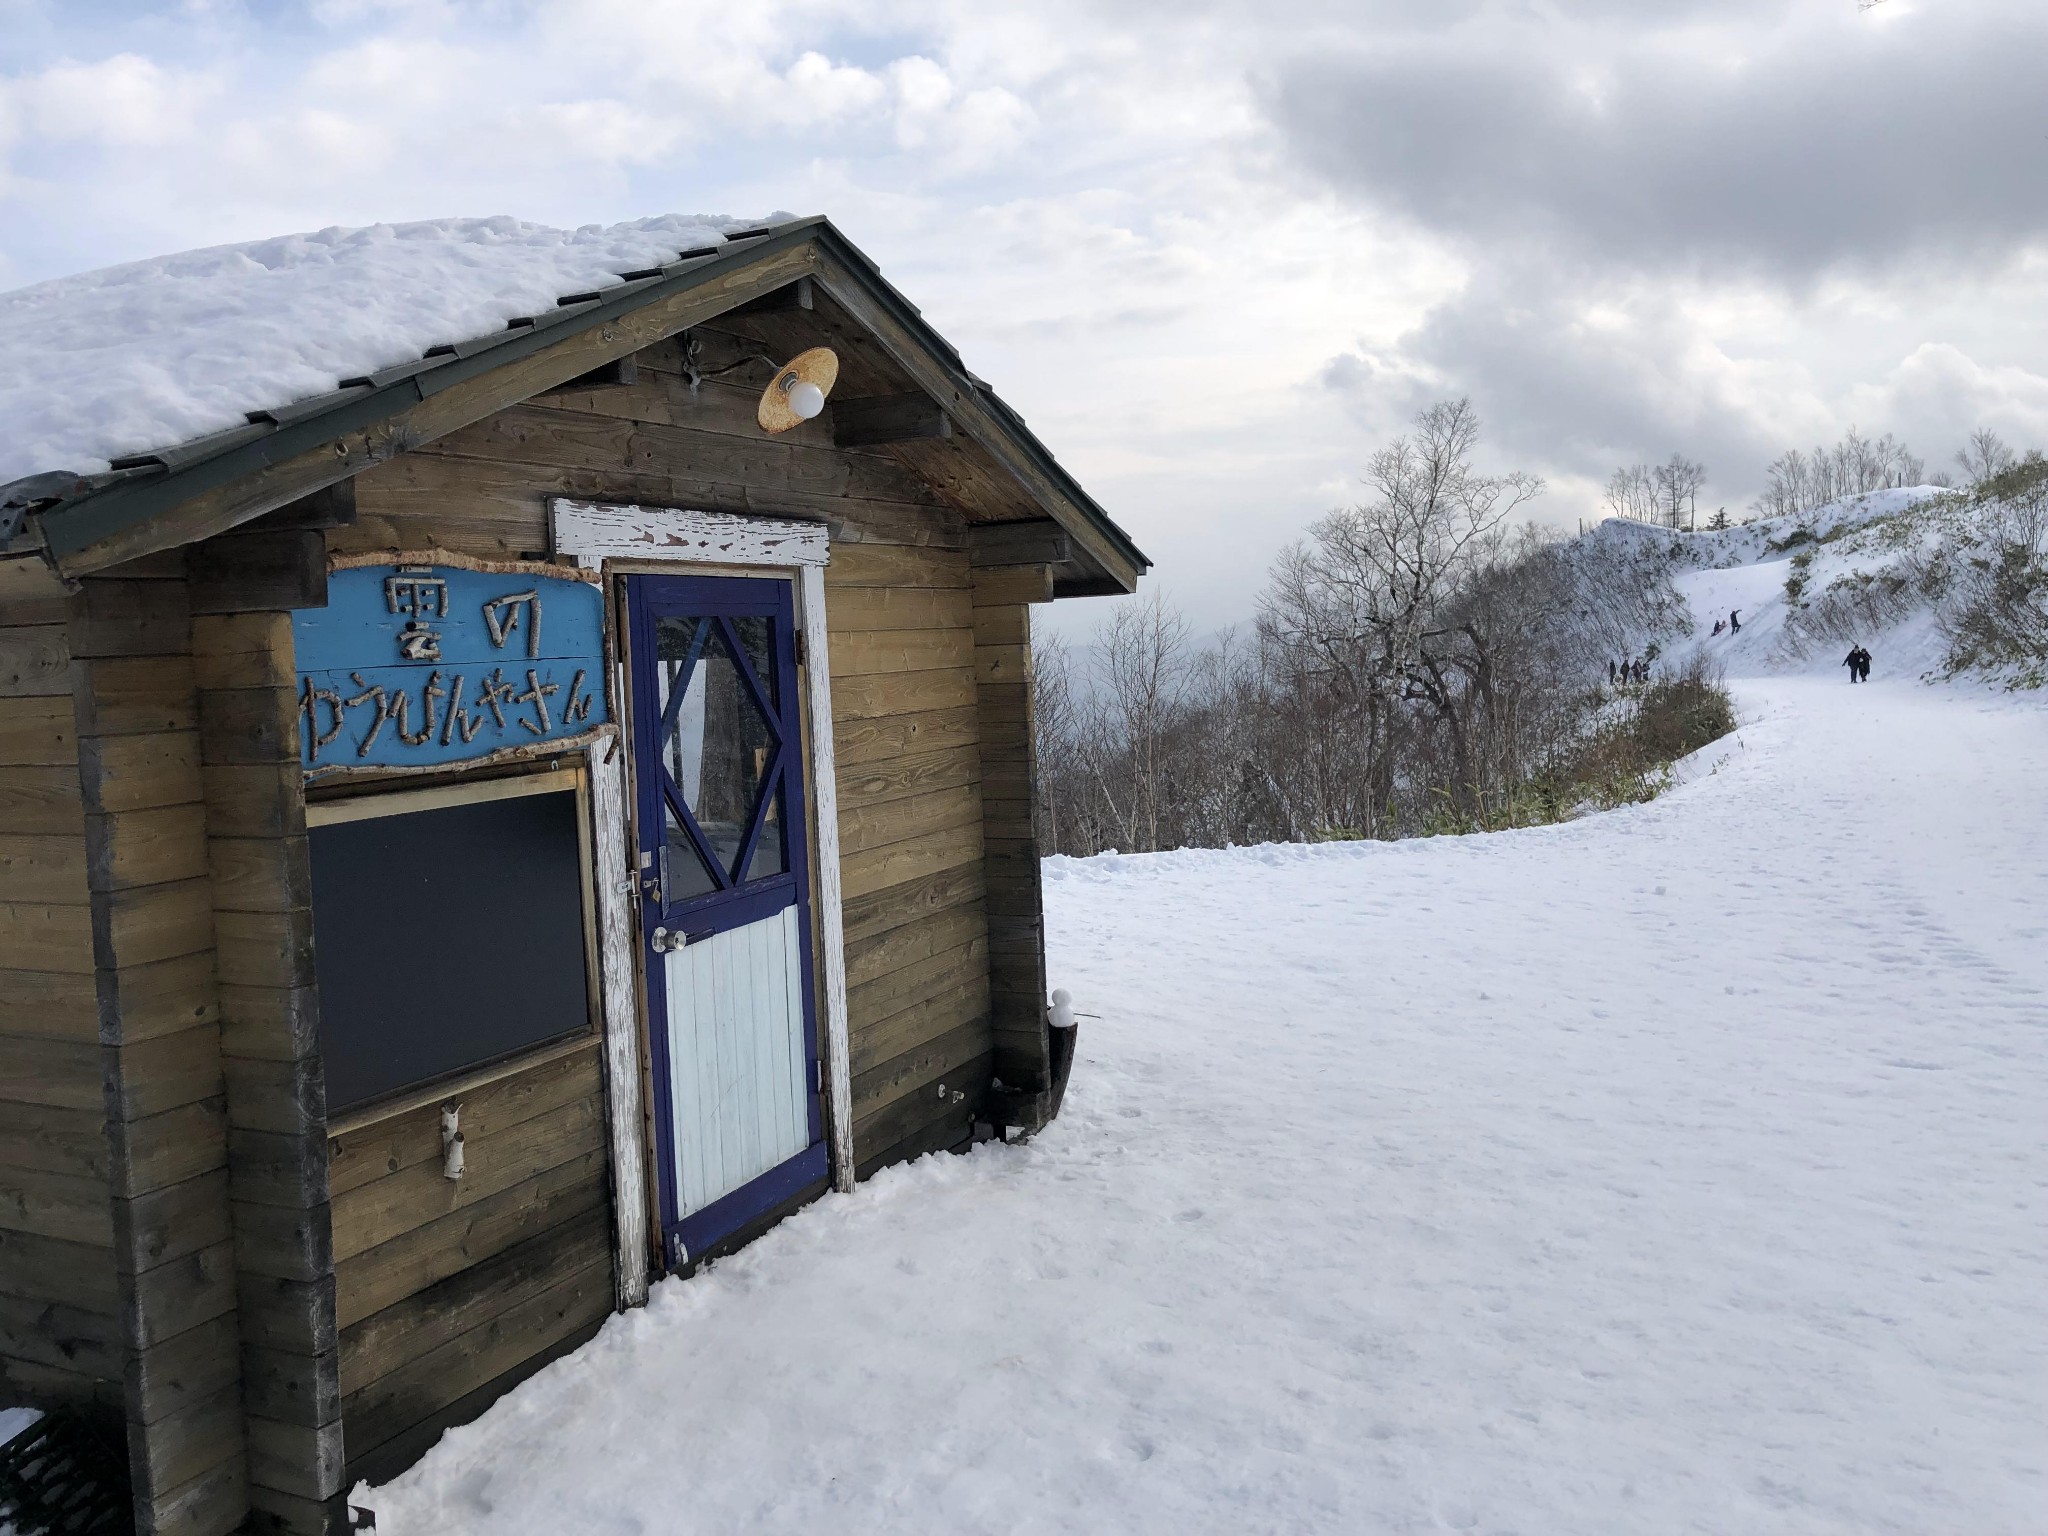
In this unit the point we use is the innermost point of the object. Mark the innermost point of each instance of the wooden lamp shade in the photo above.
(818, 365)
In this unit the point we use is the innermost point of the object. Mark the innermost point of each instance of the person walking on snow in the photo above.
(1854, 662)
(1863, 663)
(1735, 622)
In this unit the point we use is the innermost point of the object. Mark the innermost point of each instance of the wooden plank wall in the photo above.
(483, 490)
(135, 707)
(261, 901)
(60, 1335)
(447, 1290)
(910, 830)
(901, 610)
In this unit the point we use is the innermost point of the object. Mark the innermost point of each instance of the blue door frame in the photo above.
(715, 601)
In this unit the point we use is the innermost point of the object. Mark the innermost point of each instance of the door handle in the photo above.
(666, 939)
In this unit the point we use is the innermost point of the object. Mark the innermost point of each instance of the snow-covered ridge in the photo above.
(1778, 572)
(155, 353)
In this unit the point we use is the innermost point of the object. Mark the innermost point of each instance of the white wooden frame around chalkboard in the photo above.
(594, 532)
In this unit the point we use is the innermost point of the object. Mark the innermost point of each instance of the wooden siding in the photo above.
(59, 1310)
(260, 899)
(445, 1286)
(136, 709)
(911, 849)
(901, 606)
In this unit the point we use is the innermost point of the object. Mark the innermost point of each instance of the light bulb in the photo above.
(805, 399)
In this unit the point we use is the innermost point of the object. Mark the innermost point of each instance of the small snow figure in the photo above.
(1735, 622)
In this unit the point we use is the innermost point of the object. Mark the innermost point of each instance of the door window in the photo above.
(721, 752)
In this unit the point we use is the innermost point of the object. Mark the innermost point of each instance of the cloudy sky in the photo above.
(1215, 253)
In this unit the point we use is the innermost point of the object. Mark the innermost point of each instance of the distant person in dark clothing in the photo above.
(1854, 662)
(1864, 665)
(1642, 671)
(1735, 622)
(1719, 625)
(1613, 675)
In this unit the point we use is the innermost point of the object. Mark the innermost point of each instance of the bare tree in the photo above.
(1144, 673)
(1632, 493)
(1678, 481)
(1666, 495)
(1985, 455)
(1058, 738)
(1364, 604)
(1418, 664)
(1799, 483)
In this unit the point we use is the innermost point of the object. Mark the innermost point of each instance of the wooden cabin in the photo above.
(493, 834)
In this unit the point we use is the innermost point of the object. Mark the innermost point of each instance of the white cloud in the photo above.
(1113, 210)
(123, 102)
(821, 90)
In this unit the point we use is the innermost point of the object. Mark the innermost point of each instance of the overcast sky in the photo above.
(1215, 253)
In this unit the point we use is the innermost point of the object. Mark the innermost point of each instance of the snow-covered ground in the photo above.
(1680, 1169)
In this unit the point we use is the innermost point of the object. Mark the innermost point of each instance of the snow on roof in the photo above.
(155, 353)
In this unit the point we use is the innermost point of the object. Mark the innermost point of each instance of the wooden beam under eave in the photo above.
(1038, 542)
(796, 295)
(228, 502)
(880, 419)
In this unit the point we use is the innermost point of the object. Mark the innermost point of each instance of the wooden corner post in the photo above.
(1016, 922)
(262, 910)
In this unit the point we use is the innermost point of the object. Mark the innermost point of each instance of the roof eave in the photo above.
(1042, 475)
(252, 470)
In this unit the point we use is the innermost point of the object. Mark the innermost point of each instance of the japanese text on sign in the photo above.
(435, 664)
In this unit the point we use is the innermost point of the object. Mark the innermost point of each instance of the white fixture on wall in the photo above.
(451, 1141)
(798, 390)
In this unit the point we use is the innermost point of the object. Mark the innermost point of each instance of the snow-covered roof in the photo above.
(155, 353)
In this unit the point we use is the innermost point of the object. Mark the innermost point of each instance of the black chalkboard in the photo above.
(445, 939)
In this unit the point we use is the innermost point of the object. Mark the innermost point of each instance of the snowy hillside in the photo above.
(1808, 588)
(1679, 1169)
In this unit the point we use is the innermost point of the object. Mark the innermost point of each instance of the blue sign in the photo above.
(419, 665)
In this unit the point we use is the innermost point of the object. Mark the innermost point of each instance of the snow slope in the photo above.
(1679, 1169)
(1745, 569)
(159, 352)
